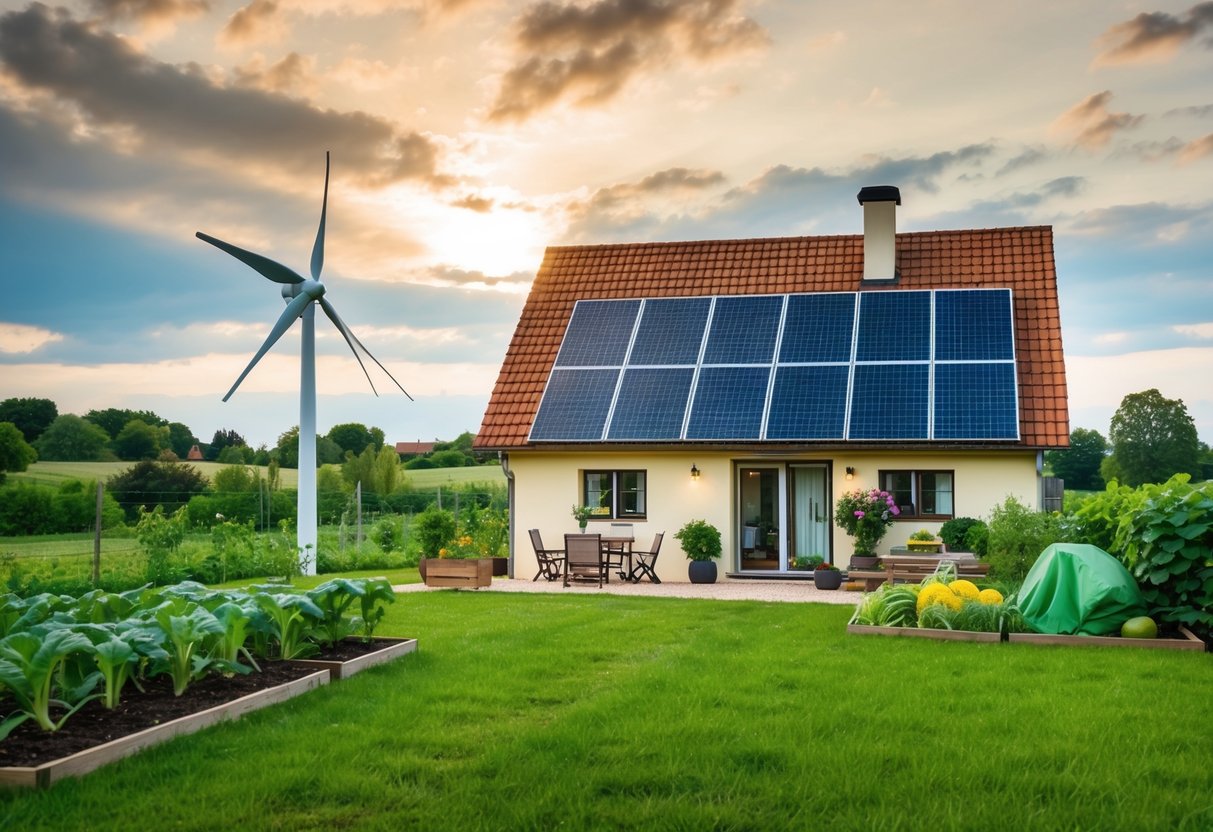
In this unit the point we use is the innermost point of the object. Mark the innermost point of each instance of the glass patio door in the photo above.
(810, 519)
(759, 512)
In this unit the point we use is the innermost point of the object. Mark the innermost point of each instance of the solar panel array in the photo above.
(883, 365)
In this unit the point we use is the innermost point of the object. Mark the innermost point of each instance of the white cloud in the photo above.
(22, 338)
(1111, 338)
(1195, 330)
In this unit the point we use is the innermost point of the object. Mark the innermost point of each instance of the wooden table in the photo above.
(618, 545)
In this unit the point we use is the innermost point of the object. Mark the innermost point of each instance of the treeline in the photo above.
(33, 429)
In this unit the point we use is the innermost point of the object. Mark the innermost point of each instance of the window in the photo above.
(920, 493)
(615, 493)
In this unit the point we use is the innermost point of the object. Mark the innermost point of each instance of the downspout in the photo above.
(509, 490)
(1040, 480)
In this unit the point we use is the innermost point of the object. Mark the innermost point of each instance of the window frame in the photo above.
(916, 490)
(615, 509)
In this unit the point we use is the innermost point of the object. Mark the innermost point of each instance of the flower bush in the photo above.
(865, 516)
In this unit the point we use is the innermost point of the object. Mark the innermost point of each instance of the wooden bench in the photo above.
(913, 568)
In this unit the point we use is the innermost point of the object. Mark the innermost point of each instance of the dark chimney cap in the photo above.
(880, 193)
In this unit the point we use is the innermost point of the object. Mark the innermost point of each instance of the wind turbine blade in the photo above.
(352, 339)
(347, 335)
(262, 265)
(318, 248)
(293, 310)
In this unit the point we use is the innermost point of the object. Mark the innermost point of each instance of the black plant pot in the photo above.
(827, 578)
(863, 562)
(501, 567)
(702, 571)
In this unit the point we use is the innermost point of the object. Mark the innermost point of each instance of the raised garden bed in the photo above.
(915, 632)
(354, 655)
(1186, 640)
(470, 573)
(94, 737)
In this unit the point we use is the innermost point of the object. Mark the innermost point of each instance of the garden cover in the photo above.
(1079, 589)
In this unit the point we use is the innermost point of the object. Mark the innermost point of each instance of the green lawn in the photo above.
(537, 712)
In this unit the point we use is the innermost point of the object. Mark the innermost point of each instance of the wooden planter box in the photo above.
(82, 762)
(915, 632)
(449, 572)
(347, 668)
(1187, 640)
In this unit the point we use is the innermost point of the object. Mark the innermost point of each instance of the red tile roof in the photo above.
(1018, 258)
(414, 447)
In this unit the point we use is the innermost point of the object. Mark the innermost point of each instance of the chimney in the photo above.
(880, 231)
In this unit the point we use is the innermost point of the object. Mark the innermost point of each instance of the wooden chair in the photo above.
(584, 558)
(551, 561)
(646, 561)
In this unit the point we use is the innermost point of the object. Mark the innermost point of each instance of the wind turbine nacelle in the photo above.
(314, 289)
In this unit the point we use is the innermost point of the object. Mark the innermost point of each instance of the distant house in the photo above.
(408, 450)
(751, 382)
(195, 454)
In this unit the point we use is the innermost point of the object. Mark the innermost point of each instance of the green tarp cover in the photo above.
(1079, 589)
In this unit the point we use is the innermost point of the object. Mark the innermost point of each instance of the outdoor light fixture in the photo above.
(694, 472)
(850, 473)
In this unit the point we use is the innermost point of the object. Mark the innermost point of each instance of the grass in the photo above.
(532, 712)
(57, 473)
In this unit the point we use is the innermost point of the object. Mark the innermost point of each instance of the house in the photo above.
(751, 382)
(409, 450)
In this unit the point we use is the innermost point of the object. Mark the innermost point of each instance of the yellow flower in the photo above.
(965, 589)
(442, 553)
(938, 593)
(990, 596)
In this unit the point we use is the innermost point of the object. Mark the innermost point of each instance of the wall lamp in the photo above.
(850, 473)
(694, 472)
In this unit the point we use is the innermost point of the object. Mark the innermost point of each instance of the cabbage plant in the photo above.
(29, 663)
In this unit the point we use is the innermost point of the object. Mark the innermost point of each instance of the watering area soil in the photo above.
(93, 725)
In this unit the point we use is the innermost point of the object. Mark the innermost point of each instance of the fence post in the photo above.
(97, 536)
(358, 497)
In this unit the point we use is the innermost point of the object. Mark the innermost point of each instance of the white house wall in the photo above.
(548, 484)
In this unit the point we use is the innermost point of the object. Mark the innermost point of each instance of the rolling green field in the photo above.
(56, 473)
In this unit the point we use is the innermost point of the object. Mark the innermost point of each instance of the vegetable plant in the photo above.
(377, 592)
(186, 627)
(334, 598)
(29, 663)
(288, 617)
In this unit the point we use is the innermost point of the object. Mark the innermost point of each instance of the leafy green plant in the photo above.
(1018, 535)
(29, 663)
(334, 597)
(433, 528)
(889, 606)
(376, 593)
(700, 540)
(288, 617)
(237, 618)
(922, 534)
(186, 627)
(865, 516)
(388, 534)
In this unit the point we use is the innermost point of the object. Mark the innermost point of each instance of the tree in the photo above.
(112, 420)
(15, 453)
(181, 439)
(31, 416)
(72, 439)
(138, 440)
(223, 439)
(1153, 438)
(148, 484)
(354, 437)
(288, 448)
(1079, 465)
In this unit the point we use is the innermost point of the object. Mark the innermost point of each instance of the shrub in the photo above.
(26, 509)
(865, 516)
(1017, 537)
(434, 528)
(700, 540)
(977, 539)
(953, 532)
(388, 534)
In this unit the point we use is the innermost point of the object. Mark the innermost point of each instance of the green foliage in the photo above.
(1165, 537)
(377, 592)
(1079, 464)
(388, 534)
(113, 419)
(31, 416)
(333, 598)
(221, 441)
(181, 439)
(29, 662)
(139, 440)
(865, 516)
(72, 439)
(700, 540)
(889, 606)
(26, 509)
(15, 453)
(149, 483)
(1152, 437)
(354, 438)
(75, 508)
(977, 540)
(953, 532)
(378, 469)
(434, 529)
(1017, 536)
(922, 534)
(236, 478)
(288, 618)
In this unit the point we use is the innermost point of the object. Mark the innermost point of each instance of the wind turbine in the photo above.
(301, 296)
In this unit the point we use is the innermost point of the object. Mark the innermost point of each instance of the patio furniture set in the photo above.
(594, 557)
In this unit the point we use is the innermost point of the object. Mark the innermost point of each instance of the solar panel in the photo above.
(976, 401)
(575, 405)
(652, 403)
(894, 326)
(809, 403)
(598, 333)
(878, 365)
(671, 331)
(818, 328)
(973, 325)
(728, 403)
(889, 401)
(743, 330)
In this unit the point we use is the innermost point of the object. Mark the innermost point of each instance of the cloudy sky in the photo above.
(468, 134)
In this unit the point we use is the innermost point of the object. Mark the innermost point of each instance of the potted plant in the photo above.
(806, 563)
(865, 516)
(582, 515)
(701, 542)
(923, 541)
(827, 576)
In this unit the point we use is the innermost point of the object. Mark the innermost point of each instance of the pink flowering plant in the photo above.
(865, 516)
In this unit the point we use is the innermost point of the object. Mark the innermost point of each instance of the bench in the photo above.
(913, 568)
